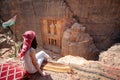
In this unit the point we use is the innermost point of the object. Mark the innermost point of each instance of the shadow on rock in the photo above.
(36, 76)
(5, 44)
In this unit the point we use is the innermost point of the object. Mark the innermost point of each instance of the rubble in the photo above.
(111, 56)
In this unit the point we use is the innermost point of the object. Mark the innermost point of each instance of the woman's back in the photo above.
(27, 62)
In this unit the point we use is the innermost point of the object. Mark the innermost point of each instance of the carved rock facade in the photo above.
(52, 31)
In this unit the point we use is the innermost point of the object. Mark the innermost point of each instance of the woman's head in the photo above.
(29, 35)
(28, 41)
(28, 38)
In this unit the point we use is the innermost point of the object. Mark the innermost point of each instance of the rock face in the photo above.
(52, 31)
(77, 42)
(90, 70)
(111, 56)
(100, 17)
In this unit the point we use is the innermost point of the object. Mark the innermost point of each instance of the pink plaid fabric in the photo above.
(28, 37)
(11, 72)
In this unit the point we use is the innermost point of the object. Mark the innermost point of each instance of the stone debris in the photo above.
(111, 56)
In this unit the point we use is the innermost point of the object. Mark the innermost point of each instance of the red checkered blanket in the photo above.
(11, 71)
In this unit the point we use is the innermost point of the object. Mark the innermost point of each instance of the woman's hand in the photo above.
(45, 74)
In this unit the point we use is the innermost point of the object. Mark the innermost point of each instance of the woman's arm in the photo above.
(32, 55)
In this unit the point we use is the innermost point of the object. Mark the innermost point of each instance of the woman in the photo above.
(31, 60)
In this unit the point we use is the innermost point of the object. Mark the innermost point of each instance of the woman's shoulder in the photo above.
(32, 49)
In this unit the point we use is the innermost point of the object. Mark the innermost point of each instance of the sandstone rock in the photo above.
(101, 17)
(72, 60)
(94, 70)
(77, 42)
(90, 70)
(111, 56)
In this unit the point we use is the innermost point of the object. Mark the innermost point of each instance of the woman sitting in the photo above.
(31, 60)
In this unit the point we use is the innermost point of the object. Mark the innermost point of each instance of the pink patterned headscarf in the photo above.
(28, 37)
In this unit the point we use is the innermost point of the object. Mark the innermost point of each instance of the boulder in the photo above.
(69, 60)
(77, 42)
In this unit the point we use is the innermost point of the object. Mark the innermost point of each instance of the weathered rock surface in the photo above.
(100, 17)
(72, 60)
(94, 70)
(90, 70)
(77, 42)
(111, 56)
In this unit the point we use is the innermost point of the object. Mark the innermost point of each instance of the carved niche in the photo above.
(52, 31)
